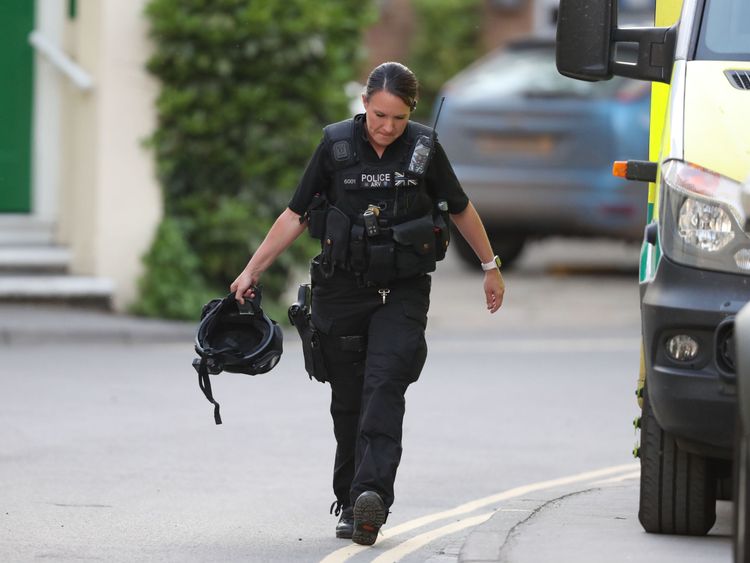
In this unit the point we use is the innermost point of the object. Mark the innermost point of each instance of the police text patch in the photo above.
(376, 180)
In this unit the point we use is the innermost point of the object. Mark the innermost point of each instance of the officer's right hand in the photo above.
(244, 285)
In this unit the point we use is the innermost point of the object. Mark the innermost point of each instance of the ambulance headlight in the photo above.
(702, 217)
(704, 225)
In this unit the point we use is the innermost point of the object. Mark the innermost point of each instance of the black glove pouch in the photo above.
(415, 247)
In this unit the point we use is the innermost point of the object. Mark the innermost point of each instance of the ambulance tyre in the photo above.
(724, 487)
(741, 507)
(507, 245)
(678, 489)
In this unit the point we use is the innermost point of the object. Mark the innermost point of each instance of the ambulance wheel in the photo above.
(741, 508)
(507, 245)
(678, 489)
(724, 487)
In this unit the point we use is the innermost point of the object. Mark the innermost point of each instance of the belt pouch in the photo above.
(442, 235)
(357, 255)
(381, 266)
(415, 247)
(336, 240)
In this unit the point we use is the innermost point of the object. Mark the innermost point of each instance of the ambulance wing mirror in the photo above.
(591, 47)
(584, 38)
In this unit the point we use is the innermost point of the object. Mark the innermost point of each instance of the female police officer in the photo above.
(374, 193)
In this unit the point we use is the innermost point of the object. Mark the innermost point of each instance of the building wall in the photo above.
(130, 201)
(47, 156)
(111, 202)
(501, 25)
(390, 37)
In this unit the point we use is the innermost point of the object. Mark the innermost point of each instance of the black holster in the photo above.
(299, 316)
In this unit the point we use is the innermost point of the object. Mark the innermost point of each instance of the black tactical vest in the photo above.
(409, 231)
(400, 193)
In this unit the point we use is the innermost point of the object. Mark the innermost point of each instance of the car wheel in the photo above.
(678, 489)
(741, 532)
(508, 246)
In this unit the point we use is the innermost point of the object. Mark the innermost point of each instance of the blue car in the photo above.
(534, 149)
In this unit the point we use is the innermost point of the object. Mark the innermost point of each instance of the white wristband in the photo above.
(492, 264)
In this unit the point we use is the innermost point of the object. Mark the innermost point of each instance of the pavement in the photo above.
(593, 523)
(32, 324)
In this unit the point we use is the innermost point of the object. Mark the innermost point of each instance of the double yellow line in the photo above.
(414, 543)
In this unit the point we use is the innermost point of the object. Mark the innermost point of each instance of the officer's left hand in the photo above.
(494, 289)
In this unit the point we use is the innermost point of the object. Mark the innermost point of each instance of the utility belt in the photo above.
(375, 248)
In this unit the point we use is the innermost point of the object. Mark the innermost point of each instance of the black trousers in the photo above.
(368, 385)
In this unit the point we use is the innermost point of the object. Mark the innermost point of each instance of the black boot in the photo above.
(345, 526)
(369, 516)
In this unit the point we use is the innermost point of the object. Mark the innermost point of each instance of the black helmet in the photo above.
(235, 338)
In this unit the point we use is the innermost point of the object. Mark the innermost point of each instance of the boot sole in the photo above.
(369, 516)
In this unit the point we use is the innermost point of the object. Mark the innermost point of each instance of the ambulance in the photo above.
(695, 258)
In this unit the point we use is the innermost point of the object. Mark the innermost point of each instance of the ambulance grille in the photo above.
(739, 78)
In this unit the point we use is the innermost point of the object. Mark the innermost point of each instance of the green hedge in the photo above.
(246, 86)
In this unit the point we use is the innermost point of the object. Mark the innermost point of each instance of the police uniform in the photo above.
(371, 286)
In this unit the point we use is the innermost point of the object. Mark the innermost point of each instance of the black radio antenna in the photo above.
(437, 117)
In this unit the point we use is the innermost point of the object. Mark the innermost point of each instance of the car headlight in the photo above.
(702, 219)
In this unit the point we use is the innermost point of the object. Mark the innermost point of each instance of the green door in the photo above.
(16, 87)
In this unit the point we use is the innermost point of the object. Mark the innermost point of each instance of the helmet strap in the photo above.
(205, 384)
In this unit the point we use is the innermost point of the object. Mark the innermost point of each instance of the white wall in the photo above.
(110, 202)
(48, 84)
(129, 204)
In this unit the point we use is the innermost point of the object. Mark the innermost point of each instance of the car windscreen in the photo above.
(725, 31)
(528, 73)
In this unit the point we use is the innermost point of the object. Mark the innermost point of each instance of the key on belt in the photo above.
(384, 293)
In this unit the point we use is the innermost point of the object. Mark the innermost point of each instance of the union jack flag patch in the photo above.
(402, 180)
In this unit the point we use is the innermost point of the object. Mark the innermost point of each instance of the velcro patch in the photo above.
(341, 150)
